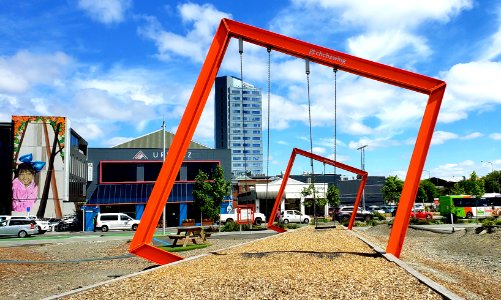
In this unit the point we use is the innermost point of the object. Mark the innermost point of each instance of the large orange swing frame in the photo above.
(434, 88)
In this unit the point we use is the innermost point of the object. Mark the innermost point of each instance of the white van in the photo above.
(112, 221)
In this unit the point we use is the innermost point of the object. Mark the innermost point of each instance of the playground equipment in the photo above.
(228, 29)
(295, 151)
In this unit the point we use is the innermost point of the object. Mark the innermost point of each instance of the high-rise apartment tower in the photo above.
(238, 124)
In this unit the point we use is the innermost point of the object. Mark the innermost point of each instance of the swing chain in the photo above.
(307, 66)
(335, 121)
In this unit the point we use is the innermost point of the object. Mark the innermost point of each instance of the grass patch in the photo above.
(180, 248)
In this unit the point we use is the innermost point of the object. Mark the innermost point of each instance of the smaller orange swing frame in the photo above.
(363, 174)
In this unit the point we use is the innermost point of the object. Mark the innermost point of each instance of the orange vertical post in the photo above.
(416, 165)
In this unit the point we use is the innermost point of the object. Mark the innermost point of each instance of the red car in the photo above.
(422, 215)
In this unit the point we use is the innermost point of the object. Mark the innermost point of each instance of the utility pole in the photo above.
(362, 163)
(163, 159)
(492, 171)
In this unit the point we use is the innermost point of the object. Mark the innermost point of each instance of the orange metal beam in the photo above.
(229, 29)
(416, 165)
(324, 160)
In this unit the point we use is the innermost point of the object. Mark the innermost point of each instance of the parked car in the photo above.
(41, 225)
(389, 209)
(18, 227)
(424, 215)
(293, 216)
(375, 208)
(418, 207)
(343, 214)
(113, 221)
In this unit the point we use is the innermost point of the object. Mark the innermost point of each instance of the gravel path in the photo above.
(40, 280)
(303, 264)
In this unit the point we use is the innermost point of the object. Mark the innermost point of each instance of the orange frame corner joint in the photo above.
(363, 174)
(228, 29)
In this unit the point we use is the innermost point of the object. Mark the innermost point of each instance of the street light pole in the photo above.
(362, 163)
(492, 171)
(163, 159)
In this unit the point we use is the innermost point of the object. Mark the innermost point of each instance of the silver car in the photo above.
(18, 227)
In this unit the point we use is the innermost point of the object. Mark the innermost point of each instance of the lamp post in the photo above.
(492, 170)
(163, 159)
(362, 163)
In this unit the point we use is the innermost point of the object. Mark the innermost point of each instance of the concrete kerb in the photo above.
(96, 285)
(437, 230)
(445, 293)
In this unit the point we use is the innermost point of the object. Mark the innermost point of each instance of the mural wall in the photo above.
(40, 176)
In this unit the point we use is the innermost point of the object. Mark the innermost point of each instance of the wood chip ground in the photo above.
(303, 264)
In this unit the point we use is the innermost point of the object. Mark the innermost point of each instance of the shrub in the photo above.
(379, 216)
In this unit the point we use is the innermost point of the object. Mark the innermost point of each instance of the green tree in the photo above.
(220, 188)
(392, 189)
(333, 196)
(493, 182)
(430, 190)
(421, 195)
(202, 193)
(308, 202)
(208, 195)
(473, 186)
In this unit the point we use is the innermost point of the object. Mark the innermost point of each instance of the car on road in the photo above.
(41, 226)
(293, 216)
(17, 227)
(418, 207)
(423, 215)
(112, 221)
(375, 208)
(389, 209)
(343, 214)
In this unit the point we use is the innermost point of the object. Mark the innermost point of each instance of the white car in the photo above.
(17, 227)
(41, 225)
(293, 216)
(418, 207)
(375, 208)
(112, 221)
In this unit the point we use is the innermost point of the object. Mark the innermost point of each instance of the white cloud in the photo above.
(118, 140)
(440, 137)
(380, 45)
(319, 150)
(25, 69)
(455, 171)
(471, 87)
(472, 135)
(388, 13)
(203, 19)
(105, 11)
(495, 136)
(492, 49)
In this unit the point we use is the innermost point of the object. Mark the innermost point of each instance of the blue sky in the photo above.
(117, 68)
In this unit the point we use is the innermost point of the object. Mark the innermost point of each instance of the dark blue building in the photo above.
(121, 178)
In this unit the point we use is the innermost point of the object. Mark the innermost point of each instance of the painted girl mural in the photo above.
(24, 188)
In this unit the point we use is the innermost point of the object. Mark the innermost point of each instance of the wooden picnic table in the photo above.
(187, 233)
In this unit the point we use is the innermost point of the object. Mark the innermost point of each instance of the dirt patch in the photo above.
(465, 262)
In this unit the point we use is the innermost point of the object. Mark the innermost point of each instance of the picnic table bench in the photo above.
(187, 233)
